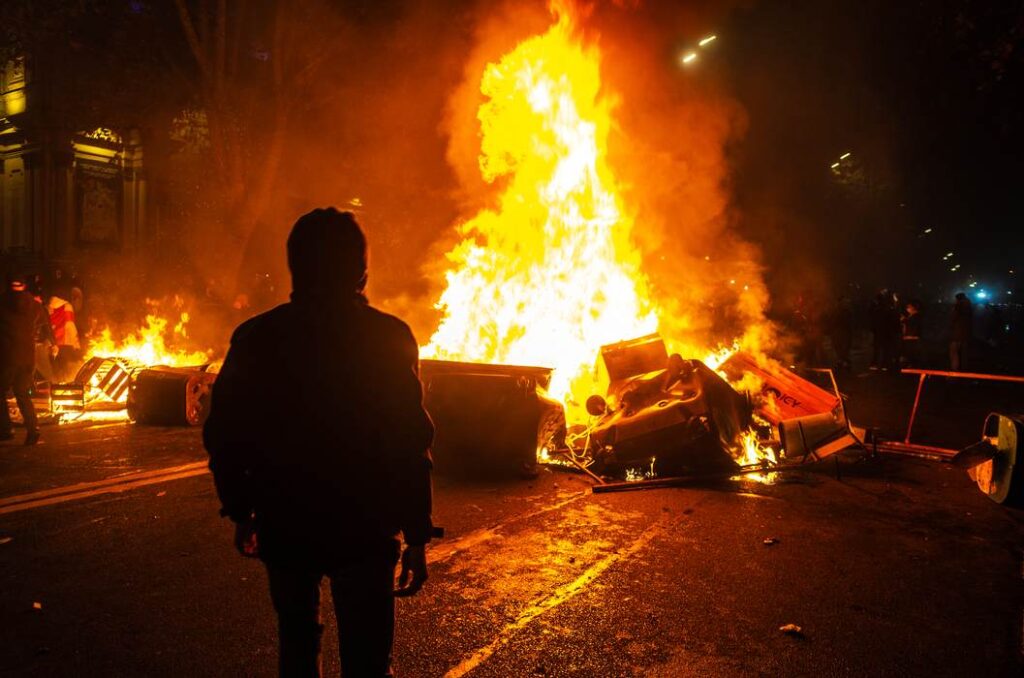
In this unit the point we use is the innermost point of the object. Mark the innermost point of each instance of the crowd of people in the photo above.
(895, 332)
(39, 341)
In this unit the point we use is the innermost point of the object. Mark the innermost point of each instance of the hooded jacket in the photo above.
(317, 429)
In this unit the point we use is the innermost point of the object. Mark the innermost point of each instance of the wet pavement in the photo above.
(899, 567)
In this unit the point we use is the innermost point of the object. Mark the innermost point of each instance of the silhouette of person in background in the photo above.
(961, 331)
(319, 447)
(911, 331)
(20, 315)
(884, 330)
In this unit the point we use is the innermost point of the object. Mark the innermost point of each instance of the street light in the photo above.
(691, 56)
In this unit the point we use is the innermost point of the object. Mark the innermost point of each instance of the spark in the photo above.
(690, 57)
(708, 40)
(927, 230)
(844, 156)
(835, 165)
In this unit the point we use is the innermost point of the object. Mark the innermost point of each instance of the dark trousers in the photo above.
(17, 378)
(363, 603)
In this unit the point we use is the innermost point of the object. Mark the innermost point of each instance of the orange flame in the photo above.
(151, 344)
(551, 274)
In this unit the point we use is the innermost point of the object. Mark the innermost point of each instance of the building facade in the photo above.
(65, 195)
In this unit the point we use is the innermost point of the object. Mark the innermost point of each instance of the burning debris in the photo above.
(674, 414)
(551, 275)
(144, 377)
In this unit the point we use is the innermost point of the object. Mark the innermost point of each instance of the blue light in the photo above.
(981, 294)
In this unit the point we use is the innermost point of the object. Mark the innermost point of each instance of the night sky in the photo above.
(926, 96)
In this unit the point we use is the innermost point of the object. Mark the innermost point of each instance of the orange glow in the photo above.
(150, 345)
(106, 393)
(551, 273)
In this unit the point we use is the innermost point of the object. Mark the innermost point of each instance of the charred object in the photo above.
(158, 395)
(170, 396)
(673, 415)
(994, 462)
(490, 420)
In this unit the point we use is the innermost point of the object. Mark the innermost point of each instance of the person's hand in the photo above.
(245, 539)
(414, 571)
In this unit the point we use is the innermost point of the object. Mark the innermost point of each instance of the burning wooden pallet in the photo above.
(101, 381)
(145, 394)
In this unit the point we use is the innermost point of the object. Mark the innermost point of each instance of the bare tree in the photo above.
(254, 67)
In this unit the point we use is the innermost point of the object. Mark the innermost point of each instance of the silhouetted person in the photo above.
(961, 331)
(318, 444)
(911, 334)
(20, 315)
(995, 325)
(885, 331)
(65, 333)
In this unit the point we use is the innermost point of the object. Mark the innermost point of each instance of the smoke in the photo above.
(677, 127)
(389, 130)
(670, 152)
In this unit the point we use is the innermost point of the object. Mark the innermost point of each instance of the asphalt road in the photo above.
(899, 568)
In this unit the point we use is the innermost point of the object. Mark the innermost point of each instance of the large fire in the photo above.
(152, 344)
(111, 364)
(551, 273)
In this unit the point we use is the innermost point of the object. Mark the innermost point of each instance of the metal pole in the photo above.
(572, 460)
(913, 412)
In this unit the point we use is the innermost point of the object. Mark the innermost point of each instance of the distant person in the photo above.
(65, 332)
(321, 482)
(961, 331)
(19, 314)
(885, 331)
(76, 295)
(995, 326)
(911, 335)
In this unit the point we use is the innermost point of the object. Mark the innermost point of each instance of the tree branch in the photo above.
(191, 37)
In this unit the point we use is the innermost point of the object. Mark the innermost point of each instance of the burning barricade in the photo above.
(661, 416)
(676, 415)
(140, 378)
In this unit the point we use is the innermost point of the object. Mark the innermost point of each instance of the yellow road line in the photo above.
(446, 549)
(559, 596)
(110, 485)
